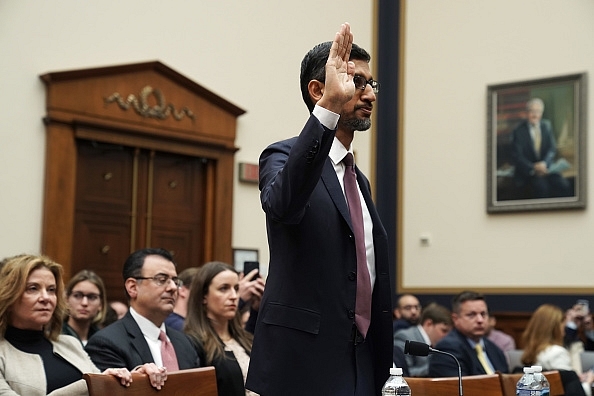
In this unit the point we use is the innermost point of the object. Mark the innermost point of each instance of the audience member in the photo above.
(251, 289)
(579, 327)
(35, 359)
(214, 323)
(324, 322)
(543, 345)
(504, 341)
(178, 316)
(435, 323)
(87, 305)
(119, 307)
(141, 336)
(467, 341)
(407, 312)
(400, 361)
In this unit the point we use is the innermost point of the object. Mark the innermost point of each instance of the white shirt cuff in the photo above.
(326, 117)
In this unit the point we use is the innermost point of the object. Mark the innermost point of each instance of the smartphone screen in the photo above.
(248, 266)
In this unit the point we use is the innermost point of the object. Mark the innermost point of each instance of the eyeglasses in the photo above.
(161, 280)
(361, 83)
(91, 297)
(411, 307)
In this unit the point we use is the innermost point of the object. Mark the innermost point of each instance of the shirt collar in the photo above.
(338, 151)
(148, 328)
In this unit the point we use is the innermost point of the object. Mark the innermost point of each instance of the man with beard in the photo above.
(467, 341)
(407, 312)
(141, 336)
(324, 326)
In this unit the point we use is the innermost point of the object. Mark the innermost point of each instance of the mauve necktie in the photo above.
(168, 353)
(363, 299)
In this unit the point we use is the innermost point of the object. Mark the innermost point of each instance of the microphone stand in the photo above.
(431, 350)
(416, 348)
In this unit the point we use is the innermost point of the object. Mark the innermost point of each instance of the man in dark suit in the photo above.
(306, 341)
(467, 341)
(151, 286)
(534, 150)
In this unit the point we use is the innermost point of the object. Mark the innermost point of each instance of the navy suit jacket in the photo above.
(457, 344)
(303, 342)
(122, 344)
(523, 149)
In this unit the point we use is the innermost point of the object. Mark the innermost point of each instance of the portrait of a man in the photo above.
(535, 149)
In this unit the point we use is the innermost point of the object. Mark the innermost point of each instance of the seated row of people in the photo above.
(468, 341)
(213, 332)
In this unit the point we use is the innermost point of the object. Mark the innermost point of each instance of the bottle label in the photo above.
(527, 392)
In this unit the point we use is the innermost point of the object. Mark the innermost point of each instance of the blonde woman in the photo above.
(35, 359)
(543, 344)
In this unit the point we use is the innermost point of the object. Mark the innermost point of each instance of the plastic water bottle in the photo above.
(545, 387)
(396, 385)
(527, 385)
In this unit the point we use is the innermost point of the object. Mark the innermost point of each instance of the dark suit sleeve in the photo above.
(290, 170)
(105, 353)
(496, 356)
(551, 146)
(445, 366)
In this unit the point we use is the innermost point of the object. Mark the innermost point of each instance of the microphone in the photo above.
(416, 348)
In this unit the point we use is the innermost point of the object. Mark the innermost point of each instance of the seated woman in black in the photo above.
(214, 323)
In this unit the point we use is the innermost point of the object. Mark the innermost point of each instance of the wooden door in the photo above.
(137, 155)
(128, 198)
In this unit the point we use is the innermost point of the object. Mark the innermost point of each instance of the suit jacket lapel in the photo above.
(137, 339)
(335, 191)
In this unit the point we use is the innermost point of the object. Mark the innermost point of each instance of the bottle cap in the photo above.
(395, 371)
(528, 369)
(537, 369)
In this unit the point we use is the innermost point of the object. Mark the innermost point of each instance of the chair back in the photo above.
(196, 382)
(472, 385)
(514, 358)
(509, 382)
(587, 359)
(556, 382)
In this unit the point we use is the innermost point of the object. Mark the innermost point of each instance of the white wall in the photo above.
(248, 52)
(453, 50)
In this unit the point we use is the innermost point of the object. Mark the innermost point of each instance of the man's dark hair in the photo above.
(463, 297)
(135, 261)
(313, 66)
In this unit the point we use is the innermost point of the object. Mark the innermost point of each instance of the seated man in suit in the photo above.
(436, 322)
(467, 341)
(141, 336)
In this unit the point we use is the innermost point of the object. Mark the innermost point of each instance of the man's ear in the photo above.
(183, 292)
(131, 287)
(316, 90)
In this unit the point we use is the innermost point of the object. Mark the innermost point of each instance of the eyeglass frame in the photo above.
(79, 296)
(162, 282)
(375, 86)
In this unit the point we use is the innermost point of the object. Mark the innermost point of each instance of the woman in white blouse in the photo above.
(543, 343)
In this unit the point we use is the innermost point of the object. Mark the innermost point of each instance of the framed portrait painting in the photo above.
(536, 144)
